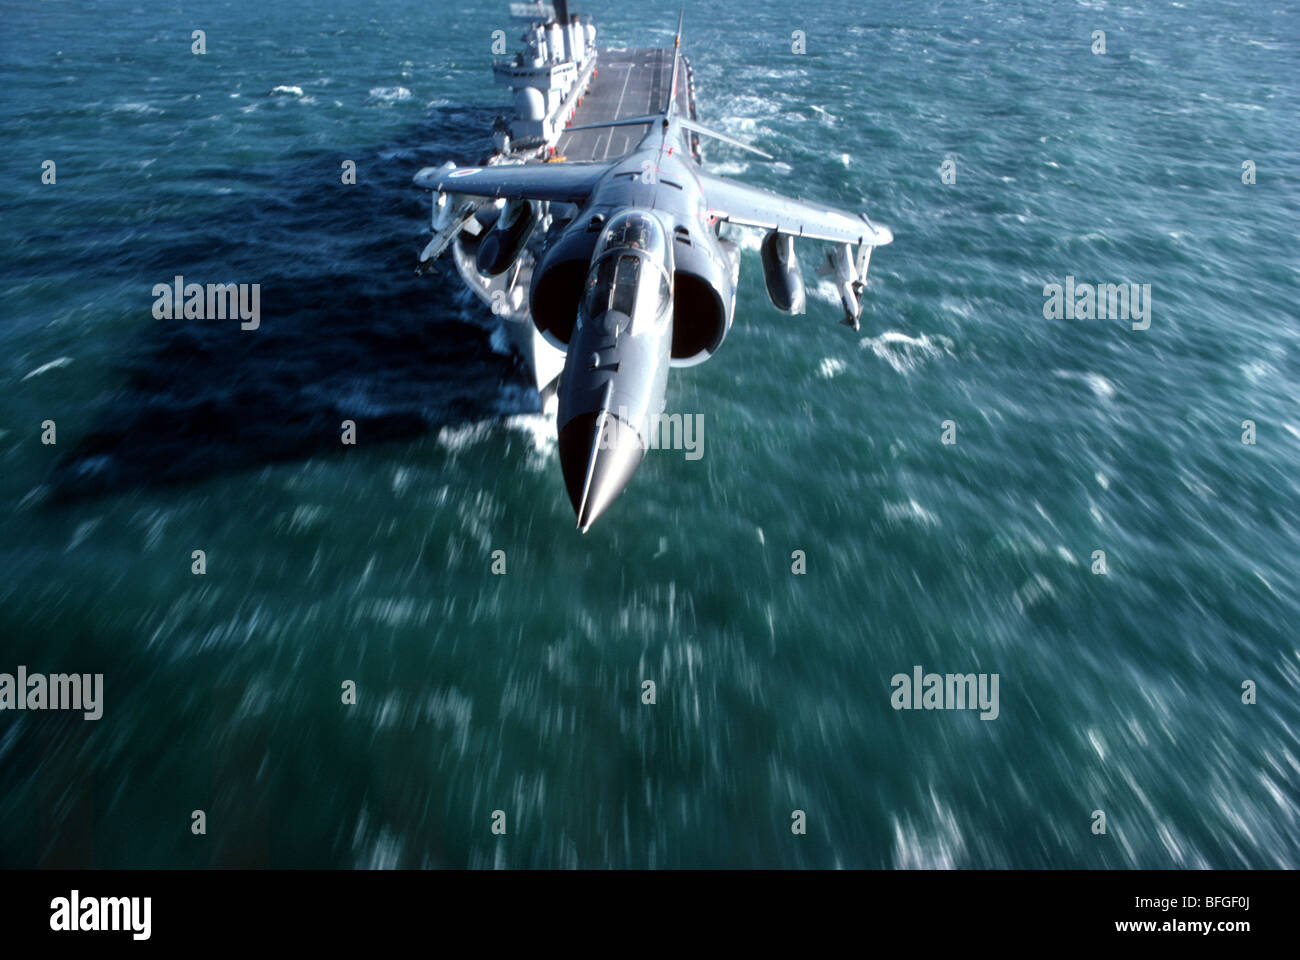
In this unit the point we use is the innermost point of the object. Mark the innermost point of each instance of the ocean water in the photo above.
(476, 692)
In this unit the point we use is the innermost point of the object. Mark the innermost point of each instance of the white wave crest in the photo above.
(830, 367)
(905, 353)
(46, 367)
(390, 94)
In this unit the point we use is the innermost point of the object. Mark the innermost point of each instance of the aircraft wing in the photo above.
(754, 207)
(562, 182)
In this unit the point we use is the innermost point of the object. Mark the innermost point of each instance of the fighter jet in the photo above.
(641, 280)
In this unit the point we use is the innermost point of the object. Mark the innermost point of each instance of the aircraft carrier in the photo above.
(559, 79)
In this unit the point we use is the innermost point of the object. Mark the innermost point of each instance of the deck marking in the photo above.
(618, 111)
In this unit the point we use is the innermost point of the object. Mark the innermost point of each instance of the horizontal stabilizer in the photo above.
(706, 131)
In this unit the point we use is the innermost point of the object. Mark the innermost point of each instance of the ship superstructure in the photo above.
(548, 77)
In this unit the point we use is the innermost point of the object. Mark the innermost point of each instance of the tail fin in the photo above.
(671, 109)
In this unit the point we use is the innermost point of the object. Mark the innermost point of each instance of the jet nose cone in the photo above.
(598, 454)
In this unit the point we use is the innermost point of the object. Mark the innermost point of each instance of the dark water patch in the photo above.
(347, 331)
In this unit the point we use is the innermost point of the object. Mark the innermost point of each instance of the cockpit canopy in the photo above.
(629, 272)
(636, 229)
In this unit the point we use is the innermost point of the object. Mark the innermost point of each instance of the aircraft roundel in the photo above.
(465, 172)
